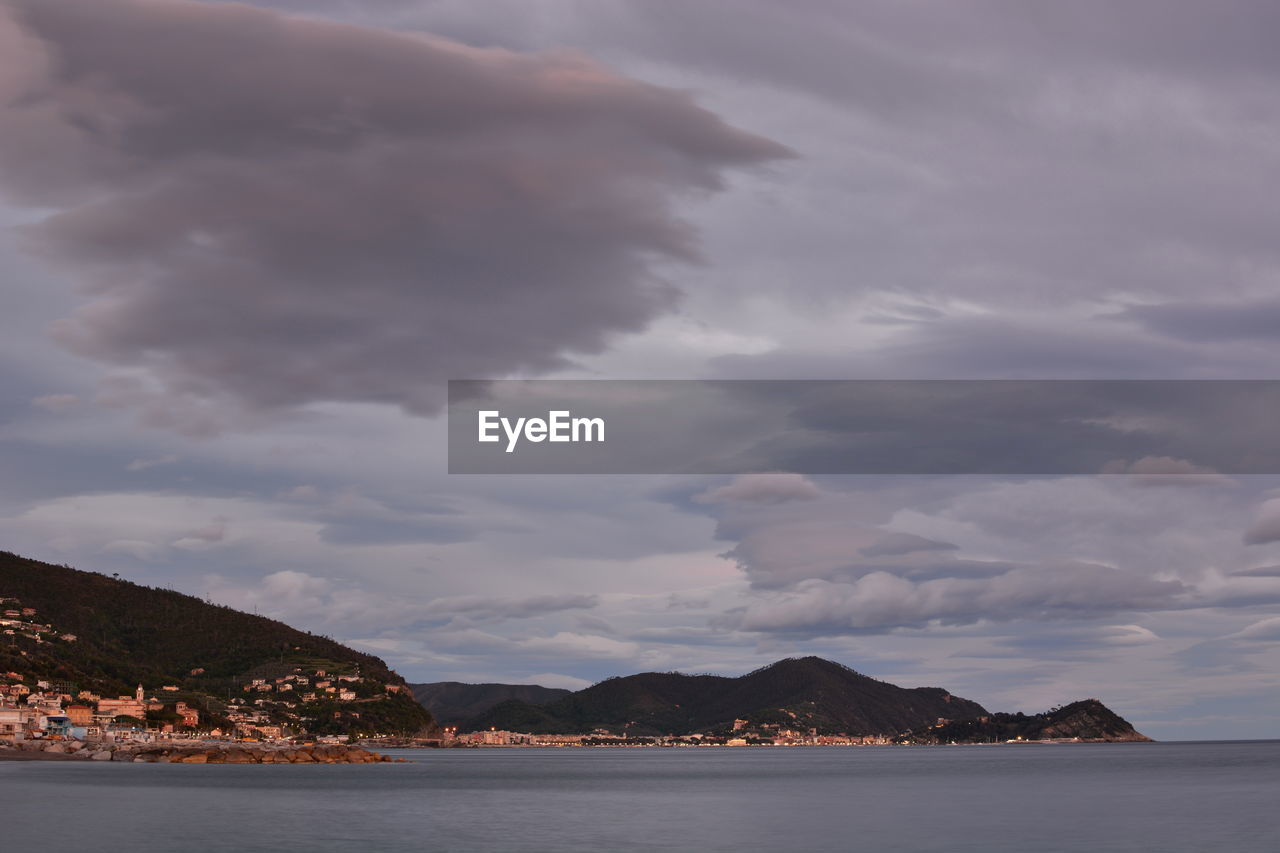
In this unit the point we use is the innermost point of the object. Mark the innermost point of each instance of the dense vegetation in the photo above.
(1087, 719)
(453, 702)
(803, 693)
(126, 634)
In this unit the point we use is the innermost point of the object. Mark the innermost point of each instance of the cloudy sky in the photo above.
(245, 245)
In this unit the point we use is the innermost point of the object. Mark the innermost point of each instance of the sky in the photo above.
(245, 245)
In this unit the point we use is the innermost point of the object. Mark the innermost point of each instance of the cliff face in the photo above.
(798, 694)
(1087, 720)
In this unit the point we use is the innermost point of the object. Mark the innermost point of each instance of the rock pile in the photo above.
(196, 753)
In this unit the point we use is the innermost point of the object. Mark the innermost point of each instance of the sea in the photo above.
(1165, 797)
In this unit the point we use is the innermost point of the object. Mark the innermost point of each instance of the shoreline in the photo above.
(245, 753)
(7, 754)
(192, 753)
(1046, 742)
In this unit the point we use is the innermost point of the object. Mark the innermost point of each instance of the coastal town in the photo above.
(58, 698)
(48, 712)
(280, 709)
(267, 707)
(275, 706)
(739, 736)
(46, 709)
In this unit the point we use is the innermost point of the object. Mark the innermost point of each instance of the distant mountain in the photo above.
(797, 693)
(86, 631)
(453, 702)
(1086, 720)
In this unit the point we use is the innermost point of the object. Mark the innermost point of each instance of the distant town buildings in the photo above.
(741, 737)
(277, 705)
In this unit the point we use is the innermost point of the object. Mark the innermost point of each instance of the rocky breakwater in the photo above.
(193, 753)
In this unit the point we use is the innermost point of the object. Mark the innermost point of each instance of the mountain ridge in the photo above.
(453, 702)
(793, 693)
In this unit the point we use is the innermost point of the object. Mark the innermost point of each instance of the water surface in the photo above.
(1166, 797)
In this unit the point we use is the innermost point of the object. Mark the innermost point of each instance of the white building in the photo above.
(15, 722)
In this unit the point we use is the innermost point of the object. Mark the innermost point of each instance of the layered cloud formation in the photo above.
(825, 567)
(240, 217)
(269, 211)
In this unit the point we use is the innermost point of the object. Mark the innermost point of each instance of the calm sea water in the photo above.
(1164, 797)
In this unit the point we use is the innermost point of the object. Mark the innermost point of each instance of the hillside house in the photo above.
(190, 716)
(15, 722)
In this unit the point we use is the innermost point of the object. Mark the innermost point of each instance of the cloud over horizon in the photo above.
(862, 556)
(267, 211)
(262, 240)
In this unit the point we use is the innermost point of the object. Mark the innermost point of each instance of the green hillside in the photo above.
(803, 693)
(454, 701)
(106, 635)
(1086, 720)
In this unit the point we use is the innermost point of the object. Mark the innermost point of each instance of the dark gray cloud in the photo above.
(477, 608)
(1012, 173)
(1004, 346)
(897, 544)
(1210, 321)
(351, 518)
(271, 211)
(1229, 37)
(390, 531)
(1244, 651)
(1076, 640)
(1259, 572)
